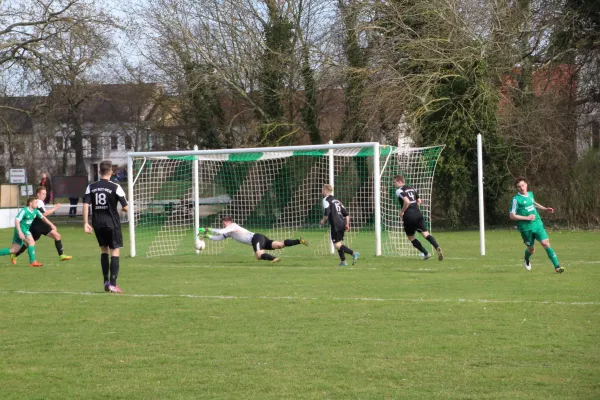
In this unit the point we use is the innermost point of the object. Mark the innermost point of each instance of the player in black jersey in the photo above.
(412, 217)
(39, 228)
(103, 197)
(339, 220)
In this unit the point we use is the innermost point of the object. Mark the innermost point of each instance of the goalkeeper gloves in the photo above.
(204, 232)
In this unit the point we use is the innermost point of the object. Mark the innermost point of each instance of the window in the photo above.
(114, 143)
(2, 172)
(60, 144)
(1, 149)
(128, 143)
(94, 146)
(44, 143)
(72, 143)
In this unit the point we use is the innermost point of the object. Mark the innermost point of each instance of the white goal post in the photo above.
(275, 191)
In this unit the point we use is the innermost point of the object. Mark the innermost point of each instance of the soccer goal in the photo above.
(275, 191)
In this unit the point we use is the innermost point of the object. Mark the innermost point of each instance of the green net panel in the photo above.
(274, 193)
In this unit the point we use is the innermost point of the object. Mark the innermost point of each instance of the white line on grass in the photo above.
(419, 300)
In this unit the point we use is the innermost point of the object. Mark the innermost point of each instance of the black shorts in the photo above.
(337, 234)
(39, 229)
(261, 242)
(413, 222)
(109, 237)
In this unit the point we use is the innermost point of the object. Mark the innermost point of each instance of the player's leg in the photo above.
(542, 236)
(260, 243)
(102, 238)
(15, 246)
(58, 244)
(343, 249)
(31, 250)
(528, 239)
(9, 250)
(431, 240)
(115, 252)
(277, 244)
(105, 265)
(410, 228)
(20, 251)
(36, 236)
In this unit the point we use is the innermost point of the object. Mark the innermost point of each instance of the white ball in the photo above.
(197, 251)
(199, 244)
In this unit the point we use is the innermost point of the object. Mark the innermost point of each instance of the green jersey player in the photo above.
(22, 235)
(523, 209)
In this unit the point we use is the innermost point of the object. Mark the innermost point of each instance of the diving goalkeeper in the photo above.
(259, 242)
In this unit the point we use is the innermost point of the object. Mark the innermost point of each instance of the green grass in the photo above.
(231, 327)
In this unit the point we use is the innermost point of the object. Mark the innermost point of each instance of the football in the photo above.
(199, 244)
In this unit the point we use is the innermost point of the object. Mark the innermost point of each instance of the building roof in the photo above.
(107, 103)
(16, 113)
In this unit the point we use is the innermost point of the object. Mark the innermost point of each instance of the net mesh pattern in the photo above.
(277, 194)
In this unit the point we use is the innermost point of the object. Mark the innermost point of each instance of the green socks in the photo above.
(4, 252)
(552, 256)
(31, 252)
(527, 254)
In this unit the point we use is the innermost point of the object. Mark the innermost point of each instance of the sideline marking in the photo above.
(216, 297)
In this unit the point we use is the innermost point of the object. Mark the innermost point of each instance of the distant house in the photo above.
(36, 132)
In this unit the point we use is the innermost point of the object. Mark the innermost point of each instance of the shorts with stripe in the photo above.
(261, 242)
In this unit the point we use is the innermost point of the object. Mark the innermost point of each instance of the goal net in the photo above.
(274, 191)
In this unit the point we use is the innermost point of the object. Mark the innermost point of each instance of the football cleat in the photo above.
(559, 270)
(355, 257)
(343, 264)
(13, 259)
(63, 257)
(426, 257)
(276, 260)
(36, 264)
(440, 253)
(304, 241)
(114, 289)
(527, 265)
(106, 286)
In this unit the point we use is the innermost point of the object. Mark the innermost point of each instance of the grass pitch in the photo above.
(232, 327)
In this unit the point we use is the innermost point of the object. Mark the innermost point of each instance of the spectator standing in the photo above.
(45, 182)
(73, 209)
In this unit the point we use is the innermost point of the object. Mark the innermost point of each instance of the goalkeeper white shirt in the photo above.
(235, 232)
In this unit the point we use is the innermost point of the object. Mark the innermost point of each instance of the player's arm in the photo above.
(541, 207)
(346, 218)
(405, 205)
(18, 227)
(47, 221)
(52, 210)
(326, 212)
(87, 200)
(513, 213)
(122, 198)
(216, 237)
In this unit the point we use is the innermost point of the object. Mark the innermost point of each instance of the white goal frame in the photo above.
(378, 164)
(196, 152)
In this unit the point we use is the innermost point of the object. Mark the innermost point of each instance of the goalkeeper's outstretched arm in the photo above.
(207, 234)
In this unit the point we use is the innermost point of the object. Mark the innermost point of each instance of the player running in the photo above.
(103, 197)
(339, 220)
(39, 228)
(22, 235)
(258, 241)
(523, 210)
(412, 218)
